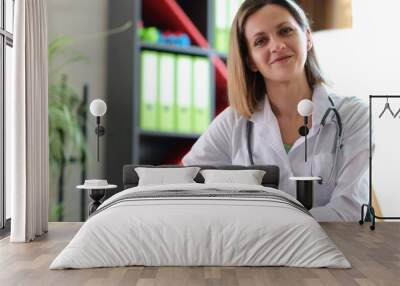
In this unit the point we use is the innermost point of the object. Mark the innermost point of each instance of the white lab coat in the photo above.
(225, 143)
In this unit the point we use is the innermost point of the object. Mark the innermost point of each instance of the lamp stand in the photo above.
(303, 131)
(100, 131)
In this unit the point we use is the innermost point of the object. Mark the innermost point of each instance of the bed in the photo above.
(201, 224)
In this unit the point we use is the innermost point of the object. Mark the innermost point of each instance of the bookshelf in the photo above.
(174, 49)
(126, 141)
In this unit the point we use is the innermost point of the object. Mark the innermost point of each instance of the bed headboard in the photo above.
(130, 178)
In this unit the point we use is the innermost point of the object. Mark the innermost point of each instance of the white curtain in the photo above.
(27, 124)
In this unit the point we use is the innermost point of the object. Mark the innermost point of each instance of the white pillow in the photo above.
(248, 177)
(164, 176)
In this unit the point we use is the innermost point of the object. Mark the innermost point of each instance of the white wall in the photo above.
(365, 60)
(81, 20)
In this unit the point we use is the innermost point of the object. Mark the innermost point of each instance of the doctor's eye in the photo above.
(260, 41)
(286, 31)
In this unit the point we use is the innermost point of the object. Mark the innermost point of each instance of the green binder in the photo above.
(201, 94)
(149, 91)
(167, 92)
(221, 23)
(184, 81)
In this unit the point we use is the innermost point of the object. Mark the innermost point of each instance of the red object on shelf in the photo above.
(221, 78)
(168, 15)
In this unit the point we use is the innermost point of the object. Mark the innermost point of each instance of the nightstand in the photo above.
(96, 193)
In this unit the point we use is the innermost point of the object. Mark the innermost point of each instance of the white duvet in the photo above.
(200, 231)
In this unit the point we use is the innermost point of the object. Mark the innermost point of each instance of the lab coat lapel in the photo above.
(321, 104)
(267, 127)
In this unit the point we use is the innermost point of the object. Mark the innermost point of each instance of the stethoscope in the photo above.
(338, 138)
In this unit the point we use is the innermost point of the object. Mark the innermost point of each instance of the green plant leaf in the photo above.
(58, 46)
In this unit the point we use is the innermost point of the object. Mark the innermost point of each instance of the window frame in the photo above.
(6, 39)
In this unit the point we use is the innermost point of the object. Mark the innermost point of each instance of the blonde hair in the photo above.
(246, 89)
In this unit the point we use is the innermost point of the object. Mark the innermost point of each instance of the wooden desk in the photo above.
(374, 255)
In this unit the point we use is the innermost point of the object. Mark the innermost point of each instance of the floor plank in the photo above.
(374, 255)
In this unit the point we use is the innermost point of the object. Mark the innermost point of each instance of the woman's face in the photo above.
(276, 44)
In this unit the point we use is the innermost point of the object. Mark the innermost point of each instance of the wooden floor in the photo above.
(374, 255)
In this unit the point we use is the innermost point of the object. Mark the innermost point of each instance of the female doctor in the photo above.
(271, 67)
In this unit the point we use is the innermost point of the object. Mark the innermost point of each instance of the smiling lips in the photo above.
(280, 59)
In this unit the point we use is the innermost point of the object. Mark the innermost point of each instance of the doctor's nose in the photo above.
(277, 45)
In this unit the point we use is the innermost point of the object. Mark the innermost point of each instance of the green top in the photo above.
(287, 147)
